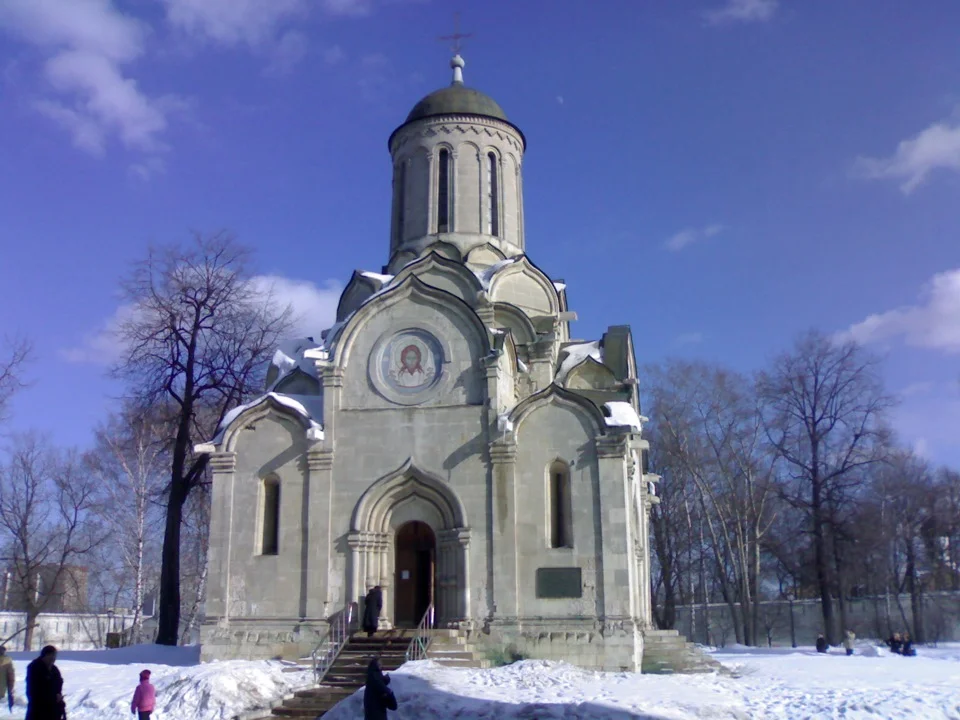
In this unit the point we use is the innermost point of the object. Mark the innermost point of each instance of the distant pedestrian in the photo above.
(895, 643)
(144, 697)
(377, 697)
(45, 687)
(8, 677)
(821, 643)
(848, 641)
(371, 610)
(907, 650)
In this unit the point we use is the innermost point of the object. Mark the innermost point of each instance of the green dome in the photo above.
(456, 100)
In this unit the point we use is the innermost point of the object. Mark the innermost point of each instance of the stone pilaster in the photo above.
(612, 451)
(318, 538)
(369, 566)
(506, 592)
(332, 379)
(221, 531)
(453, 578)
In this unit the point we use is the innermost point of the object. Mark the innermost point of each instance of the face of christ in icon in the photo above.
(410, 360)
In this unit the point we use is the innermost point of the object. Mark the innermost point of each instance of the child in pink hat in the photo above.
(144, 697)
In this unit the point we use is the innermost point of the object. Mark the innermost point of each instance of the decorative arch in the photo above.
(411, 287)
(553, 394)
(485, 255)
(265, 407)
(298, 382)
(510, 316)
(373, 510)
(590, 374)
(443, 249)
(524, 284)
(407, 494)
(358, 291)
(442, 273)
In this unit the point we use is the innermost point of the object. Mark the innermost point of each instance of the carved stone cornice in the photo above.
(456, 536)
(503, 452)
(612, 446)
(364, 540)
(319, 459)
(223, 462)
(467, 125)
(331, 377)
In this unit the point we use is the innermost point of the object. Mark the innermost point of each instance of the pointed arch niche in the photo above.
(407, 495)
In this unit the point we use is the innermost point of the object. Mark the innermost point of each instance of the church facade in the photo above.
(446, 440)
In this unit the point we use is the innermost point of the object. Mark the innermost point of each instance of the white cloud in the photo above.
(689, 236)
(86, 44)
(935, 148)
(933, 323)
(314, 309)
(290, 49)
(233, 22)
(743, 11)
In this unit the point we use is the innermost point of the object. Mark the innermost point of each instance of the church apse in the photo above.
(445, 439)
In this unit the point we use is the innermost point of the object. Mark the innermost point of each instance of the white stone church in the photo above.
(447, 439)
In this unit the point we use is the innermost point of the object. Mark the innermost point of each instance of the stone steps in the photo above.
(667, 652)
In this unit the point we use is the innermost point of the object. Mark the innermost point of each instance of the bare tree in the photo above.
(47, 517)
(11, 372)
(198, 340)
(129, 459)
(824, 409)
(710, 430)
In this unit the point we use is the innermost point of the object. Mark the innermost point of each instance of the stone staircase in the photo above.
(347, 674)
(452, 648)
(667, 651)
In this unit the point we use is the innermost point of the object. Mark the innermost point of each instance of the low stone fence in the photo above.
(67, 631)
(785, 622)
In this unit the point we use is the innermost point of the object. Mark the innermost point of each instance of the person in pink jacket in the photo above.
(144, 697)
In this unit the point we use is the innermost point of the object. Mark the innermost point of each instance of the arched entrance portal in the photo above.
(414, 585)
(411, 521)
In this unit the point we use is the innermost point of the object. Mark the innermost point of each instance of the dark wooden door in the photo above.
(415, 554)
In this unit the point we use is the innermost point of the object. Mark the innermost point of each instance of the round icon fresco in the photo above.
(410, 362)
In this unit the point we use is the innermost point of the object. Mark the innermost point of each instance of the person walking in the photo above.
(45, 687)
(144, 697)
(8, 676)
(848, 642)
(371, 610)
(377, 696)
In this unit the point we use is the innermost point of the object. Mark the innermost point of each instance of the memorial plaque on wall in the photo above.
(559, 582)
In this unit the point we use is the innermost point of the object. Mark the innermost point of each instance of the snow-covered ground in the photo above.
(98, 685)
(779, 683)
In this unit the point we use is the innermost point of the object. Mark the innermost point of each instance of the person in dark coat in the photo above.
(371, 610)
(377, 697)
(821, 643)
(907, 650)
(45, 687)
(895, 643)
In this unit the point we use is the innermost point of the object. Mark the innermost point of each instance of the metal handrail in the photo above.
(337, 636)
(421, 639)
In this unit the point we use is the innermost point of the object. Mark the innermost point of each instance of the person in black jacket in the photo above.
(907, 650)
(371, 610)
(821, 643)
(377, 697)
(895, 643)
(45, 687)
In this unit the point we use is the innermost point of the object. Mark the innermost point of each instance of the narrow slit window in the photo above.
(401, 199)
(493, 183)
(561, 525)
(270, 542)
(443, 192)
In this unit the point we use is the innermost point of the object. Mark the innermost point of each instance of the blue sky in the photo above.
(719, 174)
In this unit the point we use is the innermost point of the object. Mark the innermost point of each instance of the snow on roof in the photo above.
(486, 275)
(297, 403)
(384, 279)
(292, 354)
(576, 354)
(619, 414)
(560, 287)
